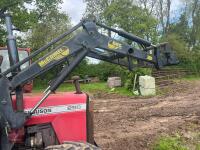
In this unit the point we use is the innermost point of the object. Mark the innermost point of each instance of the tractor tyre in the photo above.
(73, 146)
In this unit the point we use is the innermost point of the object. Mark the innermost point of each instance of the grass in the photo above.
(187, 140)
(197, 147)
(176, 143)
(191, 78)
(88, 88)
(170, 143)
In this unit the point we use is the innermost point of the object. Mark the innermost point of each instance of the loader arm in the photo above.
(89, 42)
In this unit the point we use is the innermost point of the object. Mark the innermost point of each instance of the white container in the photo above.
(147, 85)
(114, 82)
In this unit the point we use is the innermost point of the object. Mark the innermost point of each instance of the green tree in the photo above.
(95, 8)
(194, 11)
(26, 13)
(18, 11)
(181, 28)
(50, 26)
(126, 15)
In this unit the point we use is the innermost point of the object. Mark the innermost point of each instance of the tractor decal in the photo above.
(114, 45)
(58, 109)
(57, 55)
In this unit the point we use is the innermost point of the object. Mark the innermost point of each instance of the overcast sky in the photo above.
(76, 9)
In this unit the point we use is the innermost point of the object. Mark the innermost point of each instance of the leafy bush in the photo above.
(130, 77)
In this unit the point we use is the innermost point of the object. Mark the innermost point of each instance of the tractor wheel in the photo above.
(73, 146)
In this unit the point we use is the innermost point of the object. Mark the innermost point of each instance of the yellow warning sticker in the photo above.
(57, 55)
(149, 57)
(114, 45)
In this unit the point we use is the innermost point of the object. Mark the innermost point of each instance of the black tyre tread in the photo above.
(73, 146)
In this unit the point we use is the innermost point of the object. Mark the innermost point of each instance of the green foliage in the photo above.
(184, 37)
(178, 44)
(193, 10)
(130, 77)
(131, 18)
(124, 14)
(25, 18)
(105, 70)
(197, 147)
(169, 143)
(188, 58)
(83, 69)
(191, 78)
(95, 8)
(49, 28)
(181, 28)
(20, 14)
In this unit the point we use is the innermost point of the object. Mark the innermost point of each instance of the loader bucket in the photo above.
(165, 55)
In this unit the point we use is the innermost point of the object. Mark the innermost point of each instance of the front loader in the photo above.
(64, 120)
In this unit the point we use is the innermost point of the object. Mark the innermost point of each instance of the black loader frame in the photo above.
(89, 42)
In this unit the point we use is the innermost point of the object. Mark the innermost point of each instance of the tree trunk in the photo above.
(168, 16)
(162, 16)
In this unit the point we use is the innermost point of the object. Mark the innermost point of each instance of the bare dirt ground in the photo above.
(134, 123)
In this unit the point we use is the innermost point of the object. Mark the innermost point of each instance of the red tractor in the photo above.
(23, 53)
(63, 120)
